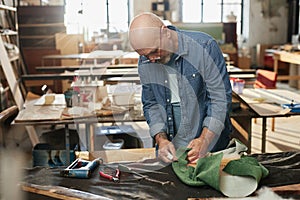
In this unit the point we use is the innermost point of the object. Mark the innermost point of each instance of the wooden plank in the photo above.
(119, 155)
(294, 187)
(10, 76)
(4, 7)
(63, 68)
(40, 113)
(84, 73)
(32, 83)
(243, 133)
(15, 88)
(60, 192)
(287, 77)
(287, 57)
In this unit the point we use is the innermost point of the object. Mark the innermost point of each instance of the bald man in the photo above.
(186, 92)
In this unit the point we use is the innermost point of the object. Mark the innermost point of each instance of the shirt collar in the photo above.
(182, 45)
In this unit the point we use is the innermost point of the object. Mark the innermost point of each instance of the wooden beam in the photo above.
(60, 192)
(287, 77)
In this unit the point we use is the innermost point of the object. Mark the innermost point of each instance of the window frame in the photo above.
(223, 17)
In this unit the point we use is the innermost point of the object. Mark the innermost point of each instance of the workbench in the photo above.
(289, 57)
(283, 169)
(37, 114)
(266, 103)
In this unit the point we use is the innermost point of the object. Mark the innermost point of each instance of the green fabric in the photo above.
(207, 170)
(246, 166)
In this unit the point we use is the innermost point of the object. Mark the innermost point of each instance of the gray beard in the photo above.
(165, 59)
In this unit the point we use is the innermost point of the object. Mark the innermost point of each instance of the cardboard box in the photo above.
(244, 62)
(110, 156)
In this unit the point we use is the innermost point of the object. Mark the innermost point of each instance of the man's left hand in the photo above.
(199, 146)
(198, 150)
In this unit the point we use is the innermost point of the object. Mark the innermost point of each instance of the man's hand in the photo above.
(166, 149)
(198, 150)
(199, 146)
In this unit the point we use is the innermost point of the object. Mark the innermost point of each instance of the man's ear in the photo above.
(166, 31)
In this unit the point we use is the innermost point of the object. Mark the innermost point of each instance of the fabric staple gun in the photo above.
(81, 168)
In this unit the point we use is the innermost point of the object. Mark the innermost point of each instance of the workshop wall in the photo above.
(266, 26)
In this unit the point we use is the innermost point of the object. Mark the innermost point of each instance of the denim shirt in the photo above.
(204, 90)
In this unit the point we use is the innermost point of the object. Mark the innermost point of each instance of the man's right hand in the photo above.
(166, 149)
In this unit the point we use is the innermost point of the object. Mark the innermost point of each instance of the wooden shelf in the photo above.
(38, 26)
(4, 7)
(8, 32)
(37, 37)
(42, 25)
(14, 58)
(11, 62)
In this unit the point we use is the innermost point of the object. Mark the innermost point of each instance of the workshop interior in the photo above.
(72, 107)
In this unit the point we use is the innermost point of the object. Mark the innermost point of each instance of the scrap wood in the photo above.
(60, 192)
(295, 188)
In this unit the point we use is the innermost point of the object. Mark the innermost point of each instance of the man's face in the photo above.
(148, 42)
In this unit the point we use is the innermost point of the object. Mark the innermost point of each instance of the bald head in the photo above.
(146, 20)
(144, 31)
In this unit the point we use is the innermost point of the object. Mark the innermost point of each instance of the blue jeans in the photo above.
(176, 116)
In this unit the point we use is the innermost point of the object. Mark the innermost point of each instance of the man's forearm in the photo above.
(207, 137)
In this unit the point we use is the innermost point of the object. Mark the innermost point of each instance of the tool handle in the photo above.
(117, 173)
(102, 174)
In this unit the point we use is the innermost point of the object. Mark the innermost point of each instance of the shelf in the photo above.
(13, 58)
(4, 7)
(37, 37)
(42, 25)
(7, 32)
(29, 48)
(11, 61)
(38, 26)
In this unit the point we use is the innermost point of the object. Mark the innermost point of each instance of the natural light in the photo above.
(90, 17)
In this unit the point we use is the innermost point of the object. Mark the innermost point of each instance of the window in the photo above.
(91, 17)
(207, 11)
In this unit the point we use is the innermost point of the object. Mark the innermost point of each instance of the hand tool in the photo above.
(115, 178)
(142, 170)
(81, 168)
(124, 168)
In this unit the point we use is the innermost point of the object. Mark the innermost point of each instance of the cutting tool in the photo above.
(114, 178)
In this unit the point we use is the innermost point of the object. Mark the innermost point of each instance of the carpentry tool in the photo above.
(124, 168)
(114, 178)
(81, 168)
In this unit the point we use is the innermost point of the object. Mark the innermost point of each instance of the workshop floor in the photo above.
(286, 136)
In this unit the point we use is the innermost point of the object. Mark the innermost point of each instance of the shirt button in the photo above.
(170, 118)
(194, 75)
(166, 81)
(168, 100)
